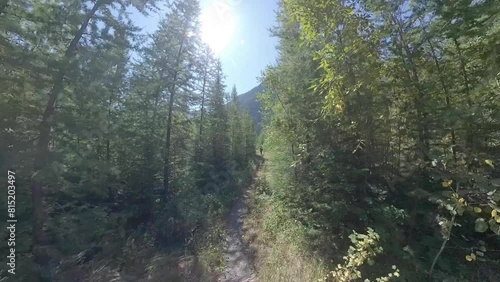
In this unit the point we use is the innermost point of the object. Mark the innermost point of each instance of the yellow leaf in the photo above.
(447, 183)
(468, 258)
(497, 218)
(490, 163)
(463, 202)
(494, 213)
(473, 256)
(477, 210)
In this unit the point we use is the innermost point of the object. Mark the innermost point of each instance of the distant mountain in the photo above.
(249, 101)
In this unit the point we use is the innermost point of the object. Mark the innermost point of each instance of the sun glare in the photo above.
(217, 28)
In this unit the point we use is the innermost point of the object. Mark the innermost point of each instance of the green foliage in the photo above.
(102, 124)
(385, 114)
(210, 250)
(364, 250)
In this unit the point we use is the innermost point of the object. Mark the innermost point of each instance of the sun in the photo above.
(217, 28)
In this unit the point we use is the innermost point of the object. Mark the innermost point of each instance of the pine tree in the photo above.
(58, 59)
(104, 121)
(236, 129)
(218, 121)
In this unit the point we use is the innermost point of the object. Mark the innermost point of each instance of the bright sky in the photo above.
(238, 31)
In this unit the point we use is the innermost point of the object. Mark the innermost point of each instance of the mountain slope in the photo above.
(249, 102)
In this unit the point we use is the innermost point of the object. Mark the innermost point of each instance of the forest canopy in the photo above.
(122, 138)
(379, 149)
(390, 111)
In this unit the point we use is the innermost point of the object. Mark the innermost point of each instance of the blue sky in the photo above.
(251, 47)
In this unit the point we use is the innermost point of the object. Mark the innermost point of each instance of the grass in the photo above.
(210, 252)
(274, 239)
(147, 265)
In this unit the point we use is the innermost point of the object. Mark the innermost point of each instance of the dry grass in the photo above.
(158, 268)
(147, 264)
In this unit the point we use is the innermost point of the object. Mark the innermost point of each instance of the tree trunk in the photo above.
(166, 165)
(447, 95)
(469, 125)
(413, 77)
(42, 150)
(108, 139)
(203, 105)
(150, 144)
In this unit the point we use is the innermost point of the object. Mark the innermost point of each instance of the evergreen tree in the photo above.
(218, 121)
(103, 120)
(236, 134)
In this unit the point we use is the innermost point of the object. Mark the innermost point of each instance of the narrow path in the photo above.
(239, 267)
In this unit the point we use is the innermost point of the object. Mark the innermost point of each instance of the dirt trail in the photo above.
(239, 267)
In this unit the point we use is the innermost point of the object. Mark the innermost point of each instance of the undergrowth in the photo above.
(275, 241)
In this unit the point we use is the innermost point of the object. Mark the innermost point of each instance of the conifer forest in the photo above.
(369, 151)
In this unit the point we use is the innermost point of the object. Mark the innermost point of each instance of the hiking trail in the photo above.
(239, 267)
